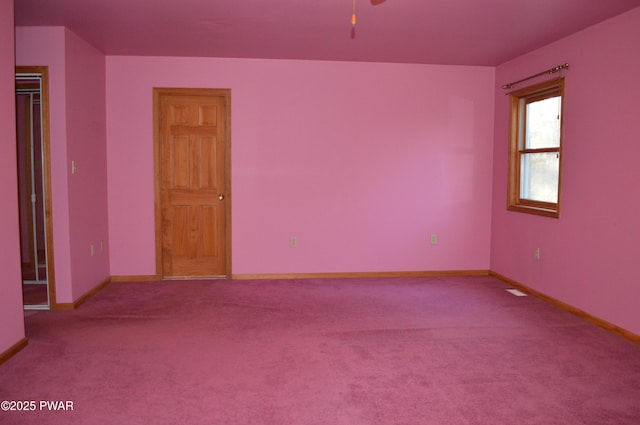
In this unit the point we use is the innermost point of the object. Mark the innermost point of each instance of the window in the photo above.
(535, 148)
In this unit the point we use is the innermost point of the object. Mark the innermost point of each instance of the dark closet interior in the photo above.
(31, 191)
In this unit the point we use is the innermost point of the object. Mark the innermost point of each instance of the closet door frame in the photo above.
(43, 72)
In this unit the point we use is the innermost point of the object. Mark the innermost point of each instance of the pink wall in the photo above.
(86, 145)
(360, 161)
(77, 132)
(11, 316)
(589, 255)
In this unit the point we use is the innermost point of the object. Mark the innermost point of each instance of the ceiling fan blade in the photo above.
(377, 2)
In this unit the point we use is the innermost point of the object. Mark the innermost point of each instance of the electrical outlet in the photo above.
(293, 242)
(536, 253)
(433, 239)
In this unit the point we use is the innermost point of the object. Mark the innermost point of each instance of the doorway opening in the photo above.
(34, 190)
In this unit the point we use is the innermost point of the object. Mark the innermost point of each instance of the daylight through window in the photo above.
(535, 148)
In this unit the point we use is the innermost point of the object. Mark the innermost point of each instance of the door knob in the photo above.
(221, 196)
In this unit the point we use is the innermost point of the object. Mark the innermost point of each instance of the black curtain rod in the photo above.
(548, 71)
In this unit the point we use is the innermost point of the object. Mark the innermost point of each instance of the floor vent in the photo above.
(516, 293)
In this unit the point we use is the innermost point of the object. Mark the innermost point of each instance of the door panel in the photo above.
(193, 170)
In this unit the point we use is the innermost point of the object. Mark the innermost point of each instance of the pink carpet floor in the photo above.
(410, 351)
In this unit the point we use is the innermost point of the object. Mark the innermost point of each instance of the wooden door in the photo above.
(191, 170)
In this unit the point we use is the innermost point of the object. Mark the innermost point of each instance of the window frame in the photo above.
(518, 101)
